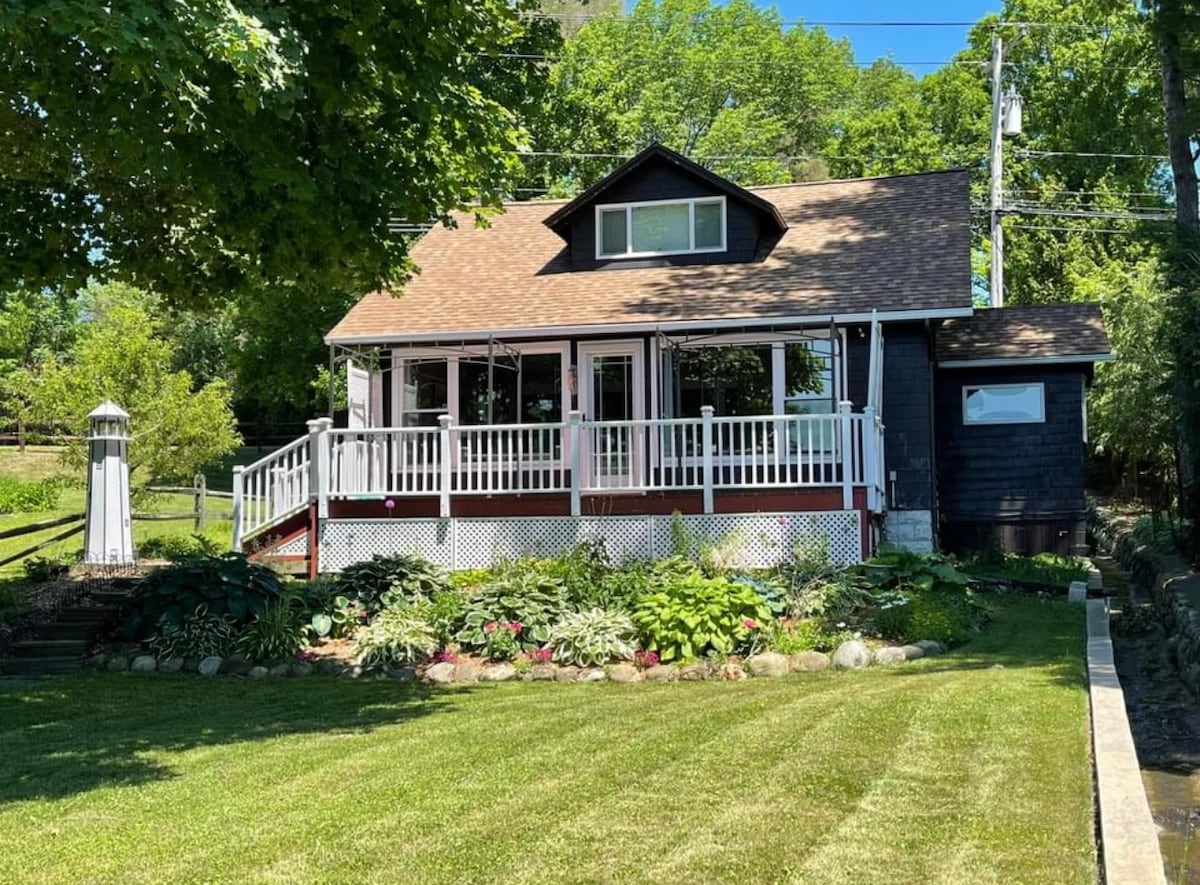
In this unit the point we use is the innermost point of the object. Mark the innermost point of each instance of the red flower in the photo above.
(515, 626)
(750, 624)
(489, 626)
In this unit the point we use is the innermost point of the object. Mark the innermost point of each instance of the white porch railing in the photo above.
(842, 450)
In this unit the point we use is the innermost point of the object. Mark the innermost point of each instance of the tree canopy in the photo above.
(208, 148)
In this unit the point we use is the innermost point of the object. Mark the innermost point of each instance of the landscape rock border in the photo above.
(852, 654)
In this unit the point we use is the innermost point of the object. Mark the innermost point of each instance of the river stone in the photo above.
(543, 672)
(693, 672)
(466, 671)
(912, 652)
(768, 663)
(236, 665)
(931, 647)
(329, 668)
(566, 674)
(852, 655)
(625, 673)
(300, 669)
(278, 670)
(95, 662)
(257, 673)
(143, 664)
(592, 674)
(170, 665)
(191, 665)
(117, 664)
(890, 655)
(442, 673)
(210, 666)
(661, 673)
(403, 674)
(808, 662)
(498, 673)
(732, 672)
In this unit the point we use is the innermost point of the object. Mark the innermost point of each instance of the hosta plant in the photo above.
(692, 616)
(531, 600)
(590, 638)
(227, 586)
(199, 635)
(400, 575)
(395, 636)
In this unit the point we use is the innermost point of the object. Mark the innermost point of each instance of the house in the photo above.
(670, 355)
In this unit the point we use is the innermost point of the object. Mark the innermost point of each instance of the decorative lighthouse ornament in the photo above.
(108, 536)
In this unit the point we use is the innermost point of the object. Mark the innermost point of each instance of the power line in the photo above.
(721, 158)
(847, 23)
(1076, 230)
(1032, 154)
(727, 61)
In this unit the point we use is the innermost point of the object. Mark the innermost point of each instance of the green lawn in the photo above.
(947, 770)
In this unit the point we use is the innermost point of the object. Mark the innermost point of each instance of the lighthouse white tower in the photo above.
(108, 537)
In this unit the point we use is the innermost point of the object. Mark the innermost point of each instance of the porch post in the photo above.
(444, 422)
(706, 443)
(574, 436)
(847, 431)
(320, 464)
(238, 482)
(869, 459)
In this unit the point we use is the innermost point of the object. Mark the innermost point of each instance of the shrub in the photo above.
(40, 569)
(443, 612)
(227, 586)
(895, 566)
(501, 640)
(276, 633)
(395, 636)
(21, 496)
(198, 635)
(950, 617)
(593, 637)
(806, 635)
(177, 548)
(534, 601)
(690, 615)
(401, 574)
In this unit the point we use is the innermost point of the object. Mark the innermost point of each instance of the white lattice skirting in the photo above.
(298, 546)
(752, 540)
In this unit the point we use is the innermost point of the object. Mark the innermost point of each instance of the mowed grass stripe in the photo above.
(940, 770)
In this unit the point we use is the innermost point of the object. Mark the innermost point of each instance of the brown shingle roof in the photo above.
(898, 243)
(1048, 331)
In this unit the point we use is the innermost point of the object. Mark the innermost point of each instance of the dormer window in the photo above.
(660, 227)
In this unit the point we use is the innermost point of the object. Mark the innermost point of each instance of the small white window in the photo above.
(1004, 404)
(660, 227)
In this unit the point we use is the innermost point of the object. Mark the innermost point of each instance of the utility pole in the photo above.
(996, 204)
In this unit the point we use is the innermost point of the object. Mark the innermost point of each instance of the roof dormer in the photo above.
(661, 208)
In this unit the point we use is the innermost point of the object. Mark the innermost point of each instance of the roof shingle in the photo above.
(1046, 331)
(892, 244)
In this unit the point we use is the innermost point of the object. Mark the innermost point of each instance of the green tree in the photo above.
(34, 326)
(177, 427)
(710, 81)
(207, 148)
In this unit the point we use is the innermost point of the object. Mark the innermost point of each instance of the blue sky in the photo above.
(903, 44)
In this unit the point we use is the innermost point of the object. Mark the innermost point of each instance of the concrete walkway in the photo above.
(1128, 836)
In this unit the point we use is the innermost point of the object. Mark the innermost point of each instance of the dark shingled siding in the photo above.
(660, 180)
(908, 415)
(1012, 471)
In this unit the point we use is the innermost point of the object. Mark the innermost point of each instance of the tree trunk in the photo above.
(1179, 135)
(1172, 20)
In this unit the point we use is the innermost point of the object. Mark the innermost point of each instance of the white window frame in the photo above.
(420, 354)
(690, 202)
(967, 389)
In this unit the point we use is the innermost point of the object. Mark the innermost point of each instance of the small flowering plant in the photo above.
(643, 659)
(305, 655)
(501, 640)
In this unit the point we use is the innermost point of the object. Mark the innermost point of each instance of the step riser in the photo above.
(83, 632)
(53, 649)
(36, 667)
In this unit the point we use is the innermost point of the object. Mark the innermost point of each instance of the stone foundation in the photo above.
(911, 529)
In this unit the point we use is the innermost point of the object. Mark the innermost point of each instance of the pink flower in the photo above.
(516, 626)
(489, 627)
(750, 624)
(389, 504)
(543, 654)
